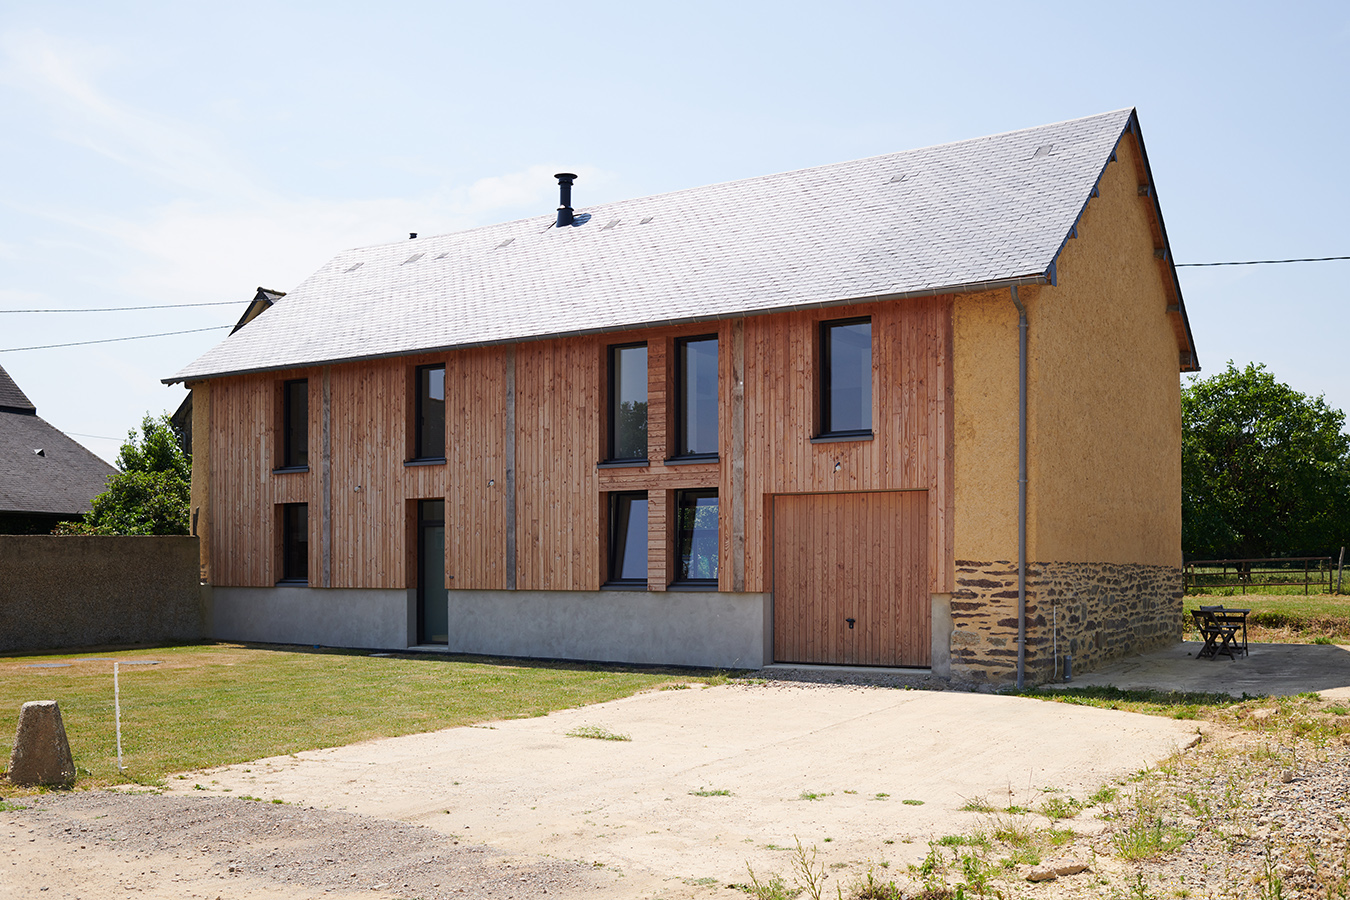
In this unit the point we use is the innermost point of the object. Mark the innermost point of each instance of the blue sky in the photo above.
(185, 152)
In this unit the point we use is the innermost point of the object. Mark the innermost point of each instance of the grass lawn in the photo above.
(1284, 618)
(215, 704)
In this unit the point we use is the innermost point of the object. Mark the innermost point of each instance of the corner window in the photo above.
(295, 543)
(846, 378)
(430, 430)
(295, 424)
(628, 402)
(696, 397)
(696, 537)
(628, 538)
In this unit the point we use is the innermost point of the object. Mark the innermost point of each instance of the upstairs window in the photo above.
(295, 424)
(295, 543)
(696, 538)
(429, 442)
(628, 539)
(628, 402)
(846, 378)
(696, 397)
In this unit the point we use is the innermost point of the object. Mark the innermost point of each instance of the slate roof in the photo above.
(62, 480)
(978, 213)
(11, 398)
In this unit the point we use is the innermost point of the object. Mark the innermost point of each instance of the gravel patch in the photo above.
(285, 845)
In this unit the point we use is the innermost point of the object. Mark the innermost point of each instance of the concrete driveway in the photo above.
(715, 778)
(1269, 669)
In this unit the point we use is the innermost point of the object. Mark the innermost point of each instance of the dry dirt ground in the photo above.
(709, 781)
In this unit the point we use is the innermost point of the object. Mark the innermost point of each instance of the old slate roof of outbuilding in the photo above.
(983, 212)
(11, 398)
(62, 478)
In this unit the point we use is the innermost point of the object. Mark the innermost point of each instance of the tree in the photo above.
(152, 492)
(1265, 469)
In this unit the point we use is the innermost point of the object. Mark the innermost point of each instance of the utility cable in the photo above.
(1265, 262)
(124, 308)
(134, 337)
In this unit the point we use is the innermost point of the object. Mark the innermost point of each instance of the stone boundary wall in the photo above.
(58, 592)
(1100, 612)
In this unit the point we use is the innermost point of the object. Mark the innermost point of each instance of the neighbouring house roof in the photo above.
(41, 469)
(11, 398)
(975, 214)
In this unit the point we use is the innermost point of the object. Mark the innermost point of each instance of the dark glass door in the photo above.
(433, 612)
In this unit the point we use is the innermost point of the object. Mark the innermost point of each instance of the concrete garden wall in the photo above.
(58, 592)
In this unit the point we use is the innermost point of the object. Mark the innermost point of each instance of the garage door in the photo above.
(850, 579)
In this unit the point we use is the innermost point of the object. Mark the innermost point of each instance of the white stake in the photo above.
(117, 712)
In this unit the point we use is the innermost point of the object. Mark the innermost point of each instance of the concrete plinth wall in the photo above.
(703, 628)
(332, 617)
(718, 630)
(79, 591)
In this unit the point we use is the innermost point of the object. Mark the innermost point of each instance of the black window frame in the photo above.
(293, 458)
(611, 414)
(681, 453)
(294, 553)
(420, 435)
(618, 538)
(684, 528)
(825, 431)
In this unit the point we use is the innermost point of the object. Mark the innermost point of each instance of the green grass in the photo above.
(210, 705)
(720, 792)
(1282, 617)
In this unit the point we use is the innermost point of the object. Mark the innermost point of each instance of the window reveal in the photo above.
(295, 424)
(430, 432)
(628, 402)
(696, 541)
(628, 538)
(696, 397)
(846, 378)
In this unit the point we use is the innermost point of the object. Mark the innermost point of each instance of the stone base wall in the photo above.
(1096, 612)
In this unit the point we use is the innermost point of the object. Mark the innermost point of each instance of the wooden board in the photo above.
(860, 556)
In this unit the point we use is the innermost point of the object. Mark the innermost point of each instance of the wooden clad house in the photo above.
(768, 420)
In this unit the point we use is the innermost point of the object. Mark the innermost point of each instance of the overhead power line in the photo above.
(134, 337)
(1265, 262)
(124, 308)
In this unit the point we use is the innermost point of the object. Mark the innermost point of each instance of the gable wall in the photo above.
(1104, 453)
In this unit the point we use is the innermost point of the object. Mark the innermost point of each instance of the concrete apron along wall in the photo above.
(1096, 612)
(688, 628)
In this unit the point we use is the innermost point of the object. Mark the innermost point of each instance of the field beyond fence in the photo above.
(1229, 577)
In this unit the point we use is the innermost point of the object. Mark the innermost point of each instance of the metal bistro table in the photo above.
(1219, 626)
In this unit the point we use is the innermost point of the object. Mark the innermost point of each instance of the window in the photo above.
(628, 539)
(696, 540)
(846, 378)
(696, 397)
(430, 430)
(295, 424)
(628, 402)
(295, 543)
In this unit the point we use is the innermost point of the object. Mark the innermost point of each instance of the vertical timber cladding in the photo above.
(911, 448)
(850, 579)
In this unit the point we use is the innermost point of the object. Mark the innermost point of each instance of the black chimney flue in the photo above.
(565, 180)
(412, 235)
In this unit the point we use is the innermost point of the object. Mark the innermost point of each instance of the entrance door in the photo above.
(850, 579)
(433, 610)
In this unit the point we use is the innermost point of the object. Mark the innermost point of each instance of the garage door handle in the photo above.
(850, 622)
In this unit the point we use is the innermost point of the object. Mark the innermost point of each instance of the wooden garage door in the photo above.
(859, 556)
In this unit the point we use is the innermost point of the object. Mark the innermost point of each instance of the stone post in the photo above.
(41, 751)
